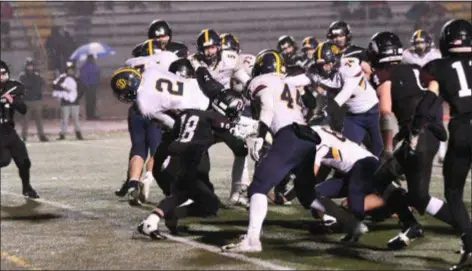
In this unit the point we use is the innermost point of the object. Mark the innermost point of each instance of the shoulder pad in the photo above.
(178, 48)
(19, 89)
(354, 51)
(229, 56)
(350, 67)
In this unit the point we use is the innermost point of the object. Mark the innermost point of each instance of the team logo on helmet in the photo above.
(121, 84)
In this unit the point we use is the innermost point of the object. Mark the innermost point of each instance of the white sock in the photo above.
(239, 174)
(434, 205)
(442, 149)
(317, 205)
(257, 214)
(149, 175)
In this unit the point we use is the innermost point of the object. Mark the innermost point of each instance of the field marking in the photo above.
(209, 248)
(18, 261)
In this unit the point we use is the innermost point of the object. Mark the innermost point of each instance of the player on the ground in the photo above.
(160, 39)
(11, 146)
(452, 79)
(223, 66)
(362, 116)
(400, 88)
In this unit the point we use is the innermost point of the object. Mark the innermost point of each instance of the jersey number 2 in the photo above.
(187, 128)
(287, 97)
(465, 90)
(174, 89)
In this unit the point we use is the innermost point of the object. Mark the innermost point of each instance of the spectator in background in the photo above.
(66, 87)
(90, 79)
(34, 86)
(60, 45)
(7, 15)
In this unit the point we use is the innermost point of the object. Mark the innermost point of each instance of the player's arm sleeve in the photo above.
(241, 76)
(299, 80)
(208, 85)
(348, 88)
(321, 152)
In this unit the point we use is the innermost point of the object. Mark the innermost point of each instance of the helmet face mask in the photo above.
(327, 59)
(209, 46)
(456, 38)
(160, 30)
(287, 47)
(339, 33)
(384, 49)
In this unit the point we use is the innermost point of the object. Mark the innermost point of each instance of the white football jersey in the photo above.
(246, 61)
(280, 102)
(227, 68)
(161, 90)
(161, 59)
(336, 151)
(357, 92)
(410, 57)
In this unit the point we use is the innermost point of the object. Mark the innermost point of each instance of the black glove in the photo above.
(306, 133)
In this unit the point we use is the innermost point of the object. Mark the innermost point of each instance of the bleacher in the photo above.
(257, 24)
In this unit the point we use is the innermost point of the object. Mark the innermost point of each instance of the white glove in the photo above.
(255, 148)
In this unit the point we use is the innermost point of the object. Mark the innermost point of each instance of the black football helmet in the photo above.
(421, 41)
(285, 42)
(148, 48)
(159, 28)
(208, 38)
(268, 61)
(125, 83)
(326, 53)
(182, 67)
(339, 29)
(456, 38)
(230, 104)
(230, 42)
(385, 48)
(4, 72)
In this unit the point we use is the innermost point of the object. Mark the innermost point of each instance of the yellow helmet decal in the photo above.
(320, 48)
(121, 83)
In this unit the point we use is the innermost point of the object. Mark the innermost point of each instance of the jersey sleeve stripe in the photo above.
(258, 89)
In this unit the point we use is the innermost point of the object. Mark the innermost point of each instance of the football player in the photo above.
(308, 47)
(11, 146)
(340, 33)
(420, 53)
(452, 79)
(223, 66)
(287, 48)
(160, 39)
(362, 116)
(400, 87)
(281, 105)
(195, 134)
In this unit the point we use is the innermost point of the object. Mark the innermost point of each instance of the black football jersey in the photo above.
(454, 76)
(175, 47)
(196, 128)
(7, 110)
(355, 51)
(408, 83)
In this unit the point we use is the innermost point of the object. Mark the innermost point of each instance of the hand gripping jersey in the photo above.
(161, 59)
(246, 61)
(336, 151)
(410, 57)
(281, 103)
(226, 68)
(356, 92)
(161, 90)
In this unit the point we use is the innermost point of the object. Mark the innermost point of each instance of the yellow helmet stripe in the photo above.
(307, 41)
(419, 33)
(133, 71)
(278, 62)
(320, 47)
(207, 36)
(223, 39)
(150, 48)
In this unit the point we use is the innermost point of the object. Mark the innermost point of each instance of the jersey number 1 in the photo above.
(465, 90)
(287, 97)
(187, 127)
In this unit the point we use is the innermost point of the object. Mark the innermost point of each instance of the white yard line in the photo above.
(209, 248)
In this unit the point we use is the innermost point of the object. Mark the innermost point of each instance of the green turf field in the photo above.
(80, 224)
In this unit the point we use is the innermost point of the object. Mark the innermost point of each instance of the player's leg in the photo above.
(353, 128)
(153, 139)
(457, 165)
(286, 153)
(163, 179)
(5, 153)
(22, 161)
(372, 123)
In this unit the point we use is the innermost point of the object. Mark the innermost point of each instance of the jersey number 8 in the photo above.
(174, 89)
(187, 128)
(287, 97)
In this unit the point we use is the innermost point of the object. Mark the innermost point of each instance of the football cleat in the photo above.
(134, 191)
(123, 190)
(245, 245)
(465, 264)
(152, 231)
(145, 187)
(355, 233)
(30, 193)
(239, 198)
(403, 239)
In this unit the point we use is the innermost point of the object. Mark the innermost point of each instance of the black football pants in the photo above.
(12, 147)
